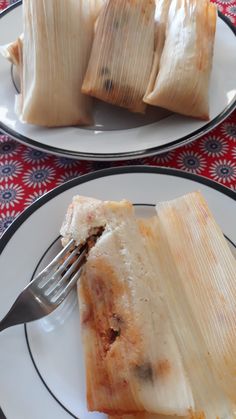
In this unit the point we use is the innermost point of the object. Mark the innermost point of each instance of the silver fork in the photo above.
(48, 289)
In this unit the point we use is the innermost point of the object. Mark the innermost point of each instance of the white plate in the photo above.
(41, 367)
(118, 134)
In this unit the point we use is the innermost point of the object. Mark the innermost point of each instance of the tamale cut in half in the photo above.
(56, 49)
(132, 361)
(121, 60)
(183, 76)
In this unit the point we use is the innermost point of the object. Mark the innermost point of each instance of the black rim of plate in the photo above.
(126, 155)
(81, 180)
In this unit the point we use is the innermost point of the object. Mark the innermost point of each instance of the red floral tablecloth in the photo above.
(26, 174)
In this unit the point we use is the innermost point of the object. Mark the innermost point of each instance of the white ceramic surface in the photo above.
(55, 341)
(118, 134)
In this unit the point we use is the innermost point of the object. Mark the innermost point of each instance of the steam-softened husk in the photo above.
(198, 280)
(122, 54)
(56, 49)
(11, 52)
(182, 84)
(140, 369)
(161, 15)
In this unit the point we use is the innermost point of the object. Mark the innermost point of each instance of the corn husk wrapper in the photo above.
(182, 83)
(198, 280)
(161, 16)
(96, 6)
(132, 360)
(11, 52)
(122, 54)
(56, 48)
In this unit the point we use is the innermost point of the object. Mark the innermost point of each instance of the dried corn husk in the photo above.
(56, 49)
(96, 6)
(161, 16)
(10, 51)
(132, 360)
(122, 54)
(182, 83)
(198, 280)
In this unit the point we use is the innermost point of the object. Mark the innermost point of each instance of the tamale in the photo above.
(132, 361)
(122, 54)
(198, 273)
(161, 16)
(182, 83)
(56, 49)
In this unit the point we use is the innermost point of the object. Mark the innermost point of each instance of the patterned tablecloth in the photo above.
(26, 174)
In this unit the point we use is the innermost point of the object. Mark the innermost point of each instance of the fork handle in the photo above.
(5, 323)
(15, 315)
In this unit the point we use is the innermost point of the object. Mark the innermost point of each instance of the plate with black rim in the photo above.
(41, 364)
(118, 134)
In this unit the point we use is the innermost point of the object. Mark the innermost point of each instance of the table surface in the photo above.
(26, 174)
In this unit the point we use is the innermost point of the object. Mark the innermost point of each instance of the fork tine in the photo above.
(47, 282)
(63, 294)
(56, 259)
(70, 258)
(57, 284)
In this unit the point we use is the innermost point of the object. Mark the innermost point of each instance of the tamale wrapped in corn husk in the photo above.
(132, 361)
(182, 83)
(198, 279)
(161, 16)
(121, 60)
(56, 49)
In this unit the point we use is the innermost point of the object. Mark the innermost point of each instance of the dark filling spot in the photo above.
(108, 85)
(144, 371)
(112, 335)
(116, 24)
(104, 71)
(91, 241)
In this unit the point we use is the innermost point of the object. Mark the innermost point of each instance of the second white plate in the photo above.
(42, 370)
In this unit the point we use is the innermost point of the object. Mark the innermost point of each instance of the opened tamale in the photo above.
(132, 360)
(157, 305)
